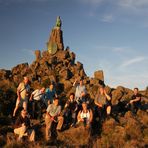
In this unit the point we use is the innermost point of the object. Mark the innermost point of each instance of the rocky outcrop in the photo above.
(99, 75)
(56, 36)
(37, 54)
(5, 74)
(62, 68)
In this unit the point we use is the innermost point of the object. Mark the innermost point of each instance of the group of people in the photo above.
(76, 111)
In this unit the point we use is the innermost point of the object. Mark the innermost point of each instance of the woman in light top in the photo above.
(85, 116)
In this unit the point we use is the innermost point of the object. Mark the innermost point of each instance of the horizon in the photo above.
(109, 36)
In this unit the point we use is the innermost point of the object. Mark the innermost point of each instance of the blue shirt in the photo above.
(50, 94)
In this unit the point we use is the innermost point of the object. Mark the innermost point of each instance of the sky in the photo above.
(108, 35)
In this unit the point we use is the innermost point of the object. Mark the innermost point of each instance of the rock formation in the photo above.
(62, 68)
(55, 41)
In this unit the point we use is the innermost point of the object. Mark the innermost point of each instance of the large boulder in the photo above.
(56, 36)
(99, 75)
(37, 54)
(5, 74)
(21, 69)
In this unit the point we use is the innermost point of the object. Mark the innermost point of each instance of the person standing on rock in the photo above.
(80, 90)
(50, 93)
(103, 103)
(70, 110)
(37, 97)
(135, 102)
(53, 116)
(23, 91)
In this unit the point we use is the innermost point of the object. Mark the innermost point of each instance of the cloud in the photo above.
(28, 51)
(133, 61)
(125, 11)
(109, 18)
(138, 4)
(91, 2)
(129, 81)
(8, 2)
(122, 49)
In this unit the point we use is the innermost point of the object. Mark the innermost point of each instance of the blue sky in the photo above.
(108, 35)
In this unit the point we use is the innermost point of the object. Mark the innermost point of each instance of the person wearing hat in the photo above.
(23, 128)
(85, 116)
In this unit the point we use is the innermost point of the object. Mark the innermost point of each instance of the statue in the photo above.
(58, 22)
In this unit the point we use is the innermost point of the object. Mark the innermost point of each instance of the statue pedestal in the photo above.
(56, 37)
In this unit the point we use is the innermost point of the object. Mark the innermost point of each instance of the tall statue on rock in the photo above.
(55, 42)
(58, 22)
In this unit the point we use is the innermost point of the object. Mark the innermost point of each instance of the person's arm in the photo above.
(66, 105)
(136, 99)
(55, 93)
(107, 96)
(76, 107)
(79, 117)
(83, 93)
(31, 97)
(18, 91)
(96, 102)
(33, 94)
(48, 110)
(59, 111)
(91, 116)
(75, 83)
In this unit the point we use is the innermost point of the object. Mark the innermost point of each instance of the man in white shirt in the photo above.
(80, 90)
(37, 97)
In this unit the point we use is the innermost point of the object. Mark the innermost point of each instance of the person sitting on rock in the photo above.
(50, 93)
(80, 90)
(70, 110)
(23, 128)
(85, 116)
(53, 116)
(23, 94)
(103, 103)
(135, 101)
(37, 96)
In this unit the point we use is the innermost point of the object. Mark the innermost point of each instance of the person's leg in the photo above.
(60, 122)
(137, 106)
(39, 110)
(20, 131)
(33, 109)
(48, 123)
(32, 135)
(74, 118)
(16, 107)
(25, 103)
(132, 108)
(108, 110)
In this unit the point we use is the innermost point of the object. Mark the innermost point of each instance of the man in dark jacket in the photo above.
(22, 127)
(135, 102)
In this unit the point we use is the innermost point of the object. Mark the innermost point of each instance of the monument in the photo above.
(55, 42)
